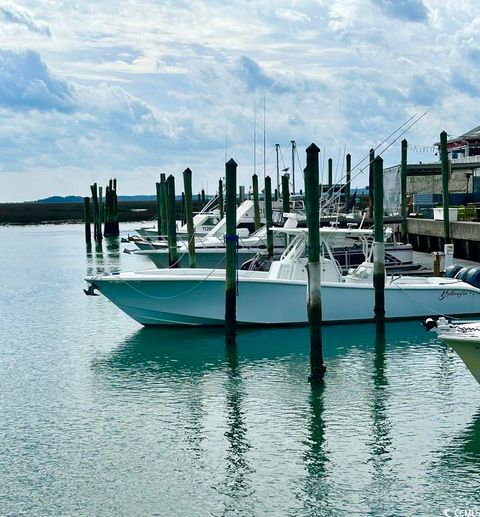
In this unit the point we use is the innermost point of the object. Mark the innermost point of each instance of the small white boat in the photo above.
(278, 296)
(463, 337)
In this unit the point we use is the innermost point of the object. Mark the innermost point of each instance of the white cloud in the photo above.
(11, 13)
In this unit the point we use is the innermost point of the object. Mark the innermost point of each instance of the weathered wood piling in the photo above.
(97, 226)
(172, 223)
(159, 207)
(379, 246)
(371, 182)
(220, 198)
(348, 178)
(187, 185)
(269, 214)
(285, 193)
(256, 204)
(403, 190)
(330, 174)
(163, 205)
(314, 301)
(231, 251)
(87, 219)
(445, 177)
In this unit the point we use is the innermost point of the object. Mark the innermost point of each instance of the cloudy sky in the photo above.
(95, 89)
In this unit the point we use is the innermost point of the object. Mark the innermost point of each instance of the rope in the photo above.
(432, 311)
(176, 295)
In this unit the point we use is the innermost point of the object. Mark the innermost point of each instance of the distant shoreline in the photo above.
(61, 213)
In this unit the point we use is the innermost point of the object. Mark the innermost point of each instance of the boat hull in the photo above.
(468, 349)
(199, 299)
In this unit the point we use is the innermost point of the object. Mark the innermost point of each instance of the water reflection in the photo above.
(103, 256)
(316, 454)
(237, 486)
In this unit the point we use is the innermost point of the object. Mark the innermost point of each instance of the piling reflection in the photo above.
(237, 486)
(316, 454)
(103, 256)
(381, 442)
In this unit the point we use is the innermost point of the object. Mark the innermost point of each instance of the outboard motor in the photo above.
(473, 276)
(452, 270)
(462, 274)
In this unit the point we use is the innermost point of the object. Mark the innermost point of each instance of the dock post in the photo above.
(163, 205)
(269, 215)
(97, 229)
(172, 223)
(348, 178)
(100, 207)
(379, 246)
(445, 191)
(256, 204)
(403, 190)
(203, 197)
(285, 194)
(106, 221)
(183, 216)
(220, 198)
(115, 223)
(187, 185)
(86, 218)
(231, 251)
(241, 194)
(371, 183)
(159, 207)
(330, 174)
(314, 300)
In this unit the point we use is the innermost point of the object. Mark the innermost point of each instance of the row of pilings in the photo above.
(100, 211)
(167, 226)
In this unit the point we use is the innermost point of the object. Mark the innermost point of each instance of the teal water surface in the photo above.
(102, 417)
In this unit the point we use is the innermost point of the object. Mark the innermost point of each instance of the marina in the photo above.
(101, 416)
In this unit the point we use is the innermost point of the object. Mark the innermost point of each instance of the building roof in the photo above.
(473, 134)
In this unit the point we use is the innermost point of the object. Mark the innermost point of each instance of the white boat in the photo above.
(210, 252)
(464, 338)
(203, 223)
(278, 296)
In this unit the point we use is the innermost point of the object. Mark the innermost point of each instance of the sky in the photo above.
(93, 90)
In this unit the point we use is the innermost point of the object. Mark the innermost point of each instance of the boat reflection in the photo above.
(180, 351)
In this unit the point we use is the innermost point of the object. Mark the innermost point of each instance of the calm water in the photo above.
(101, 417)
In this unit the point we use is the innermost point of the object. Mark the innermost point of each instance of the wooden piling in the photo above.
(445, 191)
(187, 185)
(107, 211)
(256, 204)
(100, 207)
(183, 216)
(115, 228)
(159, 207)
(97, 232)
(231, 251)
(330, 174)
(403, 190)
(269, 214)
(171, 223)
(285, 193)
(371, 183)
(203, 197)
(163, 205)
(87, 219)
(348, 178)
(314, 302)
(379, 246)
(220, 198)
(241, 194)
